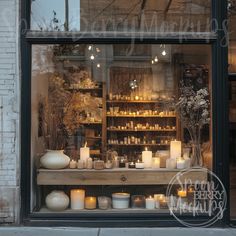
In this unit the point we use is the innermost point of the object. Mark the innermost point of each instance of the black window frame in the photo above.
(220, 122)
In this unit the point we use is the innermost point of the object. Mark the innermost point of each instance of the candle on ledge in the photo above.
(139, 165)
(180, 163)
(73, 164)
(84, 153)
(80, 164)
(182, 193)
(147, 158)
(89, 163)
(175, 149)
(90, 203)
(132, 165)
(171, 163)
(104, 202)
(156, 161)
(150, 203)
(77, 199)
(138, 201)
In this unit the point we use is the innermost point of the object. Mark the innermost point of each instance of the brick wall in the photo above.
(9, 111)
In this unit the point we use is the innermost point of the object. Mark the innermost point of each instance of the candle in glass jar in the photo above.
(150, 203)
(171, 163)
(139, 165)
(77, 199)
(156, 162)
(175, 149)
(90, 203)
(147, 158)
(104, 202)
(182, 193)
(138, 201)
(180, 163)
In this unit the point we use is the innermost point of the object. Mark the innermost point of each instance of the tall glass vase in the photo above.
(196, 158)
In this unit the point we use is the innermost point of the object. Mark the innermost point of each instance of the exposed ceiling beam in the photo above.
(167, 8)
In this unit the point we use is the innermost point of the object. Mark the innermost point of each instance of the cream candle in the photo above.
(139, 165)
(80, 164)
(120, 200)
(147, 158)
(77, 199)
(73, 164)
(182, 193)
(175, 149)
(171, 163)
(180, 163)
(159, 197)
(90, 203)
(89, 163)
(84, 153)
(150, 203)
(157, 204)
(156, 161)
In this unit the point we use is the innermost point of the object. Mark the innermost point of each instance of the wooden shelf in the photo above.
(149, 144)
(91, 123)
(84, 89)
(119, 176)
(144, 116)
(135, 101)
(141, 130)
(93, 138)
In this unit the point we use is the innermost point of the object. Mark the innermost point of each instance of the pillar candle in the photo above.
(150, 203)
(156, 162)
(175, 149)
(90, 203)
(84, 154)
(80, 164)
(73, 164)
(139, 165)
(89, 163)
(171, 163)
(77, 198)
(147, 159)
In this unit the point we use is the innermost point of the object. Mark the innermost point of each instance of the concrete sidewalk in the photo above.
(35, 231)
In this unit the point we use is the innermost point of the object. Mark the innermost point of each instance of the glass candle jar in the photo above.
(104, 202)
(138, 201)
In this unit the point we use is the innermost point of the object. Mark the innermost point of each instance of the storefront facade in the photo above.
(112, 84)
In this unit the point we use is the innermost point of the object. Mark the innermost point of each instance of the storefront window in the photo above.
(112, 124)
(121, 16)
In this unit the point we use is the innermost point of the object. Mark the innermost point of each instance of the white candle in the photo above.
(175, 149)
(159, 197)
(84, 153)
(150, 203)
(180, 163)
(73, 164)
(77, 198)
(171, 163)
(187, 162)
(156, 162)
(147, 159)
(157, 204)
(139, 165)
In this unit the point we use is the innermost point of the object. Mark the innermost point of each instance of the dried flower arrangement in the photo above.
(193, 109)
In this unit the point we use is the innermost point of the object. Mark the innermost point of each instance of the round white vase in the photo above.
(55, 159)
(57, 201)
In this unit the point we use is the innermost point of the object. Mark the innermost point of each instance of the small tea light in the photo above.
(182, 193)
(156, 161)
(150, 203)
(132, 165)
(180, 163)
(139, 165)
(73, 164)
(90, 203)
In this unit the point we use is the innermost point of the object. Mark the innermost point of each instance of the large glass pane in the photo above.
(122, 16)
(128, 117)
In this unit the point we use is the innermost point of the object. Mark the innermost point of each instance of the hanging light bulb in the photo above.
(89, 47)
(98, 65)
(92, 57)
(164, 53)
(156, 59)
(98, 50)
(153, 62)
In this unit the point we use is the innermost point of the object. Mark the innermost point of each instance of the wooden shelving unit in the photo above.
(144, 116)
(141, 130)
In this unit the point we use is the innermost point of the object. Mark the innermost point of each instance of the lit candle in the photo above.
(84, 153)
(90, 203)
(157, 204)
(147, 158)
(77, 198)
(175, 149)
(187, 163)
(156, 162)
(180, 163)
(159, 197)
(73, 164)
(182, 193)
(80, 164)
(171, 163)
(139, 165)
(150, 203)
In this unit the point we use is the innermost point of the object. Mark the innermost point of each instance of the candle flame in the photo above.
(85, 145)
(146, 149)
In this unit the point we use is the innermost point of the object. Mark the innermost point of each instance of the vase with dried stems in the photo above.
(193, 109)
